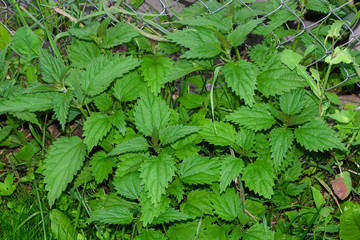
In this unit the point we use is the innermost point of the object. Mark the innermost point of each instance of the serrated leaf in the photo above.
(102, 165)
(199, 170)
(277, 78)
(342, 185)
(52, 68)
(183, 231)
(216, 21)
(26, 116)
(280, 143)
(128, 185)
(231, 167)
(293, 102)
(61, 107)
(294, 190)
(256, 118)
(3, 63)
(245, 138)
(197, 203)
(259, 177)
(28, 102)
(118, 120)
(218, 133)
(103, 102)
(130, 162)
(138, 144)
(175, 132)
(179, 69)
(112, 215)
(128, 87)
(63, 160)
(154, 68)
(85, 32)
(121, 33)
(202, 42)
(151, 113)
(259, 232)
(191, 100)
(294, 172)
(241, 79)
(156, 173)
(149, 211)
(290, 58)
(83, 177)
(238, 36)
(102, 71)
(228, 205)
(170, 215)
(95, 128)
(81, 53)
(317, 136)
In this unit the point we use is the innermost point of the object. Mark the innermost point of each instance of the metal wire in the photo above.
(172, 8)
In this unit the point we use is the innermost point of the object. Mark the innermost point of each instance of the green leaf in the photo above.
(197, 203)
(130, 162)
(5, 38)
(290, 58)
(85, 32)
(103, 102)
(63, 160)
(4, 132)
(151, 113)
(112, 215)
(294, 190)
(179, 69)
(245, 138)
(218, 133)
(191, 100)
(317, 136)
(121, 33)
(118, 120)
(138, 144)
(128, 87)
(26, 43)
(294, 172)
(81, 53)
(280, 143)
(26, 116)
(256, 118)
(349, 224)
(128, 185)
(28, 102)
(61, 226)
(202, 42)
(293, 102)
(259, 177)
(231, 167)
(61, 107)
(342, 185)
(150, 234)
(216, 21)
(156, 173)
(3, 63)
(154, 68)
(241, 78)
(335, 28)
(95, 128)
(149, 211)
(52, 68)
(102, 71)
(183, 231)
(318, 197)
(238, 36)
(102, 165)
(340, 55)
(259, 232)
(228, 205)
(199, 170)
(277, 78)
(170, 215)
(175, 132)
(8, 186)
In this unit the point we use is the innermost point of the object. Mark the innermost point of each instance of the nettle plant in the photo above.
(189, 135)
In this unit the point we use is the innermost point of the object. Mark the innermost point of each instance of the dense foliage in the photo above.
(195, 134)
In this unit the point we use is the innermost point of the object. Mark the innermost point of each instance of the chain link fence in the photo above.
(57, 14)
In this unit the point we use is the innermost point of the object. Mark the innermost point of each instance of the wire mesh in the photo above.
(58, 14)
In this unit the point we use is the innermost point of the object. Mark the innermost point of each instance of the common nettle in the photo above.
(191, 134)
